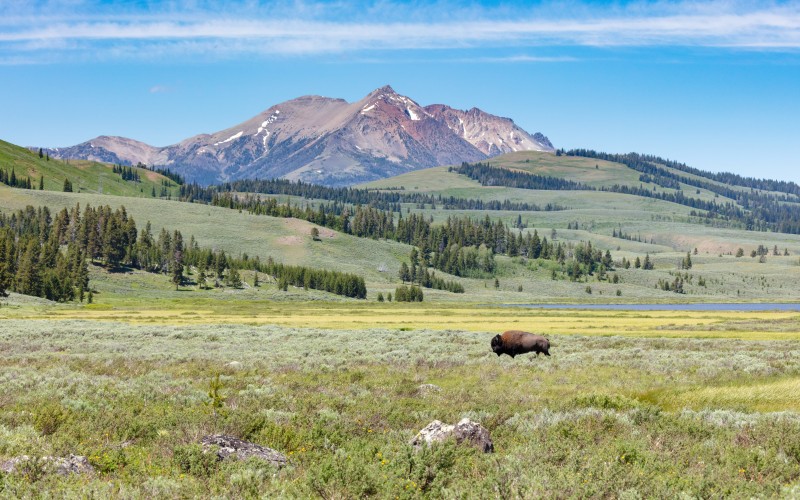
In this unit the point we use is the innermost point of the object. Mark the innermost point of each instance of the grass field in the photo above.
(650, 404)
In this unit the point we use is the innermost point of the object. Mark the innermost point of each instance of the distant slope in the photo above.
(85, 176)
(327, 141)
(619, 194)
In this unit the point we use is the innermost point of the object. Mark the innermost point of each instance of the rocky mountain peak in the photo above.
(327, 141)
(386, 89)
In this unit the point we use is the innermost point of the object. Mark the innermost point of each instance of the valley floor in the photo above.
(631, 403)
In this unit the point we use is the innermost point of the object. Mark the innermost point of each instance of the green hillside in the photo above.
(591, 172)
(626, 225)
(85, 176)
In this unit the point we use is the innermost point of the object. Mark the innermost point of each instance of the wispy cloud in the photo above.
(309, 29)
(159, 89)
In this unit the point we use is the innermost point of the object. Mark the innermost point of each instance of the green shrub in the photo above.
(49, 417)
(192, 460)
(605, 402)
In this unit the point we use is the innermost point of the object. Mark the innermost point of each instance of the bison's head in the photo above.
(497, 345)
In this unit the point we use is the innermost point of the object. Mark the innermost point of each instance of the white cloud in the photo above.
(198, 32)
(159, 89)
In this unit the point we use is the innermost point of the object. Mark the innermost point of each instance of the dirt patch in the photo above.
(152, 176)
(304, 228)
(289, 240)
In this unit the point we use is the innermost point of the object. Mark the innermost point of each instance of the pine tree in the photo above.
(405, 273)
(41, 183)
(201, 277)
(176, 259)
(234, 278)
(28, 279)
(67, 186)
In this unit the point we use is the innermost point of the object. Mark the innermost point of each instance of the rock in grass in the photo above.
(231, 447)
(466, 431)
(72, 464)
(426, 389)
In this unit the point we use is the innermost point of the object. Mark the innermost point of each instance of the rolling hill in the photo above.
(627, 225)
(84, 175)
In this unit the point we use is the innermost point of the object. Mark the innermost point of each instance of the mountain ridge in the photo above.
(327, 141)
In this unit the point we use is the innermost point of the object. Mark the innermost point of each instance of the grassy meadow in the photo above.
(631, 404)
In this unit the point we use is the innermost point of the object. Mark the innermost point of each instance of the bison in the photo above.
(515, 342)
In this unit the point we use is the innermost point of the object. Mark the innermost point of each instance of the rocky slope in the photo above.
(327, 141)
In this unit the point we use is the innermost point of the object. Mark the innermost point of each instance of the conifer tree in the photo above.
(176, 259)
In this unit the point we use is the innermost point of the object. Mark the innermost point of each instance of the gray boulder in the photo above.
(231, 447)
(465, 431)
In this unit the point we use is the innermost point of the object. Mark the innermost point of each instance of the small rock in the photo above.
(73, 464)
(236, 365)
(231, 447)
(427, 389)
(466, 430)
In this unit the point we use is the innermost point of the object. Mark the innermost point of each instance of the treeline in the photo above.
(493, 176)
(127, 173)
(219, 266)
(660, 180)
(382, 200)
(11, 179)
(418, 273)
(31, 260)
(169, 174)
(647, 161)
(465, 247)
(760, 211)
(726, 210)
(408, 294)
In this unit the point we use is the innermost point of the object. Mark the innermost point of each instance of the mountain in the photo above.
(327, 141)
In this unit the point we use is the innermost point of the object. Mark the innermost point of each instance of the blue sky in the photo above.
(712, 84)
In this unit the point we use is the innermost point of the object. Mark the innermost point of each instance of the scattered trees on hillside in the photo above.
(127, 173)
(47, 256)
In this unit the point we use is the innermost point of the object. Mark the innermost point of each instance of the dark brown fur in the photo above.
(515, 342)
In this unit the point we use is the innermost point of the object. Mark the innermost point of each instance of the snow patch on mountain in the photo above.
(231, 138)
